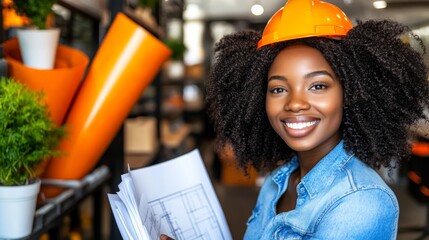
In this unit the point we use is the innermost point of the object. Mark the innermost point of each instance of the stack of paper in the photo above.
(175, 198)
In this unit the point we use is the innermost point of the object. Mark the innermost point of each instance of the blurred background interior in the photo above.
(170, 117)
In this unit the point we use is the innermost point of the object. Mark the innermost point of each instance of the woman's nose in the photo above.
(296, 102)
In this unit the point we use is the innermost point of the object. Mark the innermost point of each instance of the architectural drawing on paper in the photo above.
(187, 214)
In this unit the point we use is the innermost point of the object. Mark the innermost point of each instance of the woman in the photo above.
(321, 114)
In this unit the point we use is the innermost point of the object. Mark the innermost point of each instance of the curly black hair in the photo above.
(385, 84)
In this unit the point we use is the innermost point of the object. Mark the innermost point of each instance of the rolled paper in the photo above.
(126, 62)
(59, 84)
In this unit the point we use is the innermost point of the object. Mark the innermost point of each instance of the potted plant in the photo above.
(37, 42)
(28, 136)
(175, 67)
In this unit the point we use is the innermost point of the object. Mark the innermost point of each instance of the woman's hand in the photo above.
(165, 237)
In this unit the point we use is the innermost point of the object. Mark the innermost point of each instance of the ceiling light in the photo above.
(193, 12)
(257, 9)
(379, 4)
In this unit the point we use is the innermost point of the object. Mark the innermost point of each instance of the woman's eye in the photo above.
(318, 87)
(277, 90)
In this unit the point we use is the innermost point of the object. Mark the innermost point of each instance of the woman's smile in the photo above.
(300, 126)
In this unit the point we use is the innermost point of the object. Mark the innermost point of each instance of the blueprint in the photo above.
(175, 198)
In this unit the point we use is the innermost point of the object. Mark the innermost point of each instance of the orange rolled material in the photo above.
(420, 149)
(124, 65)
(59, 84)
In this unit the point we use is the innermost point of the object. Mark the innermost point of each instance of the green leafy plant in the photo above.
(28, 135)
(178, 48)
(36, 10)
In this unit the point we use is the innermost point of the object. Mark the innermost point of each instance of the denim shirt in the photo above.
(340, 198)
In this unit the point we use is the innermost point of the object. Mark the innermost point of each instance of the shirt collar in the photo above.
(321, 175)
(279, 175)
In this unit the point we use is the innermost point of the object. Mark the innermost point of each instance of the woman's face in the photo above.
(304, 100)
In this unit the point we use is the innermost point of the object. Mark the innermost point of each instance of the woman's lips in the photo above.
(299, 127)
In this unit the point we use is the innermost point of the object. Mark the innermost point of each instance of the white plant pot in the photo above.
(17, 208)
(38, 47)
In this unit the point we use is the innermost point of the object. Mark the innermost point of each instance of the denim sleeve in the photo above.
(366, 214)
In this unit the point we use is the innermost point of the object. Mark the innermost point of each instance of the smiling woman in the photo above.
(320, 114)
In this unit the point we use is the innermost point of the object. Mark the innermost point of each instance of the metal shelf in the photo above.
(48, 216)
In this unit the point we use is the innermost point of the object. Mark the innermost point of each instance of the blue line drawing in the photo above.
(186, 214)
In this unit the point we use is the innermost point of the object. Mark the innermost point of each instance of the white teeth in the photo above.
(300, 125)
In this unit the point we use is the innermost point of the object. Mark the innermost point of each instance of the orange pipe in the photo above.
(125, 64)
(59, 84)
(421, 149)
(414, 177)
(424, 190)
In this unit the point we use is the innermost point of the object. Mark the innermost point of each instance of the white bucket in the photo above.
(38, 47)
(17, 208)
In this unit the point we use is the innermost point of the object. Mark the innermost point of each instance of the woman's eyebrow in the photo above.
(277, 77)
(308, 75)
(317, 73)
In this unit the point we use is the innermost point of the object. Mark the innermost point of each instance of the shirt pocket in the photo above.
(287, 233)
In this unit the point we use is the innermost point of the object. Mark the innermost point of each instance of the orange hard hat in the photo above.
(305, 18)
